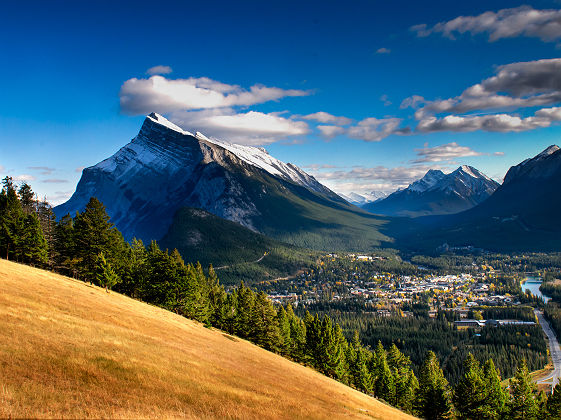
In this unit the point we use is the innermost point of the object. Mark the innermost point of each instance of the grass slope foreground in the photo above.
(68, 349)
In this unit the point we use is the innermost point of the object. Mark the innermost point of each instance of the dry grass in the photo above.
(69, 350)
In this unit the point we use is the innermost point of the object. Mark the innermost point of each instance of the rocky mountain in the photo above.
(437, 193)
(165, 168)
(524, 213)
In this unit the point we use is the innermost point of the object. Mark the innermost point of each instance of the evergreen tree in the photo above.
(523, 403)
(471, 392)
(554, 403)
(32, 243)
(284, 331)
(405, 381)
(266, 330)
(11, 220)
(65, 259)
(297, 335)
(27, 198)
(433, 400)
(104, 273)
(94, 234)
(496, 400)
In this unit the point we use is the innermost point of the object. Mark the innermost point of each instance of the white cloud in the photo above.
(496, 123)
(330, 131)
(506, 23)
(444, 152)
(251, 128)
(326, 118)
(158, 94)
(383, 50)
(24, 178)
(59, 197)
(376, 129)
(317, 166)
(515, 85)
(159, 70)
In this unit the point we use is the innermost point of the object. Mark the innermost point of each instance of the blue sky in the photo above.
(415, 85)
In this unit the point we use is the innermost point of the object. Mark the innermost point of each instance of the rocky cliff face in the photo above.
(165, 168)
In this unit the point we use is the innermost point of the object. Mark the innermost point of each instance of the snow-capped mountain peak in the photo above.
(158, 119)
(549, 151)
(255, 156)
(430, 180)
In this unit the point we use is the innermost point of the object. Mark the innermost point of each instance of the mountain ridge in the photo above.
(437, 193)
(165, 168)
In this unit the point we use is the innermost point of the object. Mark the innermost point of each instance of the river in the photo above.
(532, 284)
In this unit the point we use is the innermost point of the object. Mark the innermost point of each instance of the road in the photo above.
(554, 350)
(247, 262)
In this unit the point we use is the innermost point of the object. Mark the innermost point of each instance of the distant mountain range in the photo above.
(524, 213)
(210, 198)
(364, 198)
(165, 169)
(437, 193)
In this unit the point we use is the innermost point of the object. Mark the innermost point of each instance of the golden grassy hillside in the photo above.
(68, 349)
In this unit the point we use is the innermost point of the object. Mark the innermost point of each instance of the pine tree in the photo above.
(405, 381)
(65, 258)
(495, 402)
(27, 198)
(297, 335)
(11, 220)
(470, 393)
(384, 382)
(266, 331)
(433, 400)
(554, 403)
(93, 234)
(32, 243)
(523, 403)
(284, 331)
(104, 273)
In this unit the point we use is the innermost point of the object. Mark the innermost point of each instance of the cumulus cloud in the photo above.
(515, 85)
(383, 50)
(330, 131)
(444, 152)
(250, 128)
(326, 118)
(142, 96)
(506, 23)
(159, 70)
(376, 129)
(495, 122)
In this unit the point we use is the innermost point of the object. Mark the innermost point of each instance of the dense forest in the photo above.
(414, 335)
(87, 246)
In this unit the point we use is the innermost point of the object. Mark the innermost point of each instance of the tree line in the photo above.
(89, 247)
